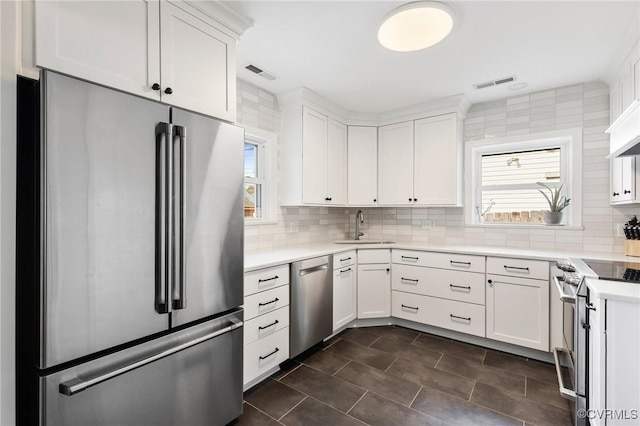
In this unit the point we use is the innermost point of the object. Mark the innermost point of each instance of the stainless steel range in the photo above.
(573, 357)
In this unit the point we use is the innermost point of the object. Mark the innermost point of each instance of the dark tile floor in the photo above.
(396, 376)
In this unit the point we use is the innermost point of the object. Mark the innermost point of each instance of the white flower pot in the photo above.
(552, 218)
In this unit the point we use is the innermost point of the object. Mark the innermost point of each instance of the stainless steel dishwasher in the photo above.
(311, 303)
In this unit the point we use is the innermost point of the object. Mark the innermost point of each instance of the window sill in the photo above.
(526, 226)
(254, 222)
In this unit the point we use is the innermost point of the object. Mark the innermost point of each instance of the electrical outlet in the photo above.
(428, 224)
(619, 229)
(293, 227)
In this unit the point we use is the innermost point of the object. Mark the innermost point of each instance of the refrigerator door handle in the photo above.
(180, 202)
(164, 154)
(73, 386)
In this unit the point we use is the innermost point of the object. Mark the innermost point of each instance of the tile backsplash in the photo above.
(583, 105)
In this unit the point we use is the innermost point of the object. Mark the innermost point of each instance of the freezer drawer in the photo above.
(197, 382)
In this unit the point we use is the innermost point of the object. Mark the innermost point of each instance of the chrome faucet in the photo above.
(359, 223)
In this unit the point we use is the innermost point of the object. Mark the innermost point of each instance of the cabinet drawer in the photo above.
(347, 258)
(374, 256)
(524, 268)
(265, 354)
(449, 314)
(458, 262)
(455, 285)
(267, 301)
(264, 279)
(266, 325)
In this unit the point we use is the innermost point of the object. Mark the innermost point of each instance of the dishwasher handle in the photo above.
(313, 269)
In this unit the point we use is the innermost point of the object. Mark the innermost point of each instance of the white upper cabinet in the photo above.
(437, 161)
(395, 164)
(314, 158)
(166, 51)
(362, 165)
(623, 180)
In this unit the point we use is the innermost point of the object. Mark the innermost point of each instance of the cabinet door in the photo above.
(374, 291)
(622, 179)
(436, 163)
(518, 311)
(362, 168)
(336, 162)
(314, 156)
(197, 62)
(114, 43)
(344, 296)
(395, 164)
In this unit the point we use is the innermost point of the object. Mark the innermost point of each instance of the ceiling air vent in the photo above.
(491, 83)
(260, 72)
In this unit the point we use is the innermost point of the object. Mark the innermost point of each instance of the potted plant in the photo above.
(556, 204)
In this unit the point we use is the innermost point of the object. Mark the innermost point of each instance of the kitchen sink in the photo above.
(363, 242)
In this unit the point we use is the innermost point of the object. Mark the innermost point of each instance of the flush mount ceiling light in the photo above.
(416, 26)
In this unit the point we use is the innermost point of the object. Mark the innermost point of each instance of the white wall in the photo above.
(8, 67)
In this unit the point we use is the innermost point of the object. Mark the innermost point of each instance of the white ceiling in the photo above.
(331, 48)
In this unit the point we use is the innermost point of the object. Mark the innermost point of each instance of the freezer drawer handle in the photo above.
(260, 280)
(73, 386)
(261, 327)
(564, 391)
(453, 286)
(268, 303)
(275, 351)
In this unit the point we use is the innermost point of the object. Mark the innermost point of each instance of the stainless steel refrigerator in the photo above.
(130, 260)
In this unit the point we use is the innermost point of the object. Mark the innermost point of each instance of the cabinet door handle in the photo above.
(626, 191)
(375, 200)
(261, 327)
(268, 303)
(460, 318)
(468, 288)
(275, 351)
(409, 307)
(456, 262)
(408, 279)
(517, 268)
(155, 86)
(415, 199)
(260, 280)
(615, 194)
(168, 90)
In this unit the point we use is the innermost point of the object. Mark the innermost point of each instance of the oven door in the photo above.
(565, 357)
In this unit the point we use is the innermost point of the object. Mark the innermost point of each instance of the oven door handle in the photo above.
(565, 297)
(564, 391)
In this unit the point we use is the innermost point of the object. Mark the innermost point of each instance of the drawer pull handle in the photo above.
(268, 303)
(344, 260)
(345, 270)
(408, 279)
(468, 288)
(456, 262)
(517, 268)
(409, 257)
(275, 351)
(269, 325)
(460, 318)
(409, 307)
(268, 279)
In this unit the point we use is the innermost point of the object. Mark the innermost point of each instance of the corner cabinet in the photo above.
(517, 302)
(314, 158)
(163, 50)
(374, 283)
(420, 162)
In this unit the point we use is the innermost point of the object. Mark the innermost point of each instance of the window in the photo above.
(504, 176)
(259, 182)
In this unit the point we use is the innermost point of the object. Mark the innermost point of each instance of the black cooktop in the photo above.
(615, 271)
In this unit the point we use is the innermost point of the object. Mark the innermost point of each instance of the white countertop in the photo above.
(614, 290)
(262, 259)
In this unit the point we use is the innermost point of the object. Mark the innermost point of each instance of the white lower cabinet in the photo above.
(266, 316)
(344, 289)
(374, 284)
(518, 308)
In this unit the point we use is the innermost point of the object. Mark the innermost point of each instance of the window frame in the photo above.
(570, 143)
(266, 173)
